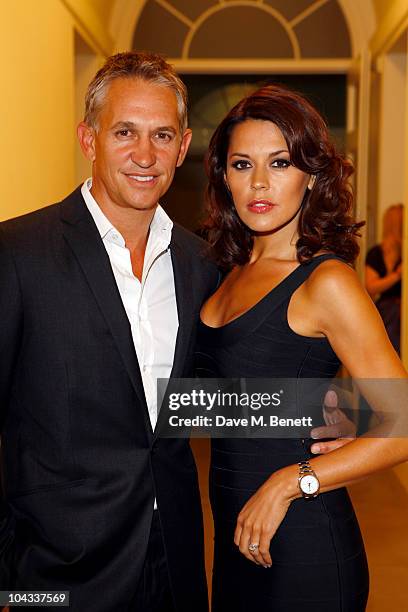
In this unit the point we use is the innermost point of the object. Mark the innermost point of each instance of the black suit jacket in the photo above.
(80, 463)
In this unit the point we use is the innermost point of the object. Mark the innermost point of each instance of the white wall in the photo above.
(392, 133)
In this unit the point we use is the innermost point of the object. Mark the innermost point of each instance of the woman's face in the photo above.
(266, 188)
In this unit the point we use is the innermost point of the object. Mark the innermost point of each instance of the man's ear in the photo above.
(185, 143)
(86, 137)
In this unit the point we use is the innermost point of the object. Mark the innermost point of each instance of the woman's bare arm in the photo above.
(344, 313)
(350, 321)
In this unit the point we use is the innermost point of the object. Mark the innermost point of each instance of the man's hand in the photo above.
(338, 426)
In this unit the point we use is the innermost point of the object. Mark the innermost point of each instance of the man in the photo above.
(99, 297)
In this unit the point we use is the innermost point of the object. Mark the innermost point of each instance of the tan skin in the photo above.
(134, 153)
(327, 305)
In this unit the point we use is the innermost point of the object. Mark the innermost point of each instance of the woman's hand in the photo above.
(263, 513)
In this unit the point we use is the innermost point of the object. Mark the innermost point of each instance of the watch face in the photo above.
(309, 484)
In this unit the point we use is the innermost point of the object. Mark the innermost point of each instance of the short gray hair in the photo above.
(150, 67)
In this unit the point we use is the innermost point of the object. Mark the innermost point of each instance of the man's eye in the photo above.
(165, 136)
(241, 164)
(281, 163)
(124, 133)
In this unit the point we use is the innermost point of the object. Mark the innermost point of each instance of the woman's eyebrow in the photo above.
(273, 154)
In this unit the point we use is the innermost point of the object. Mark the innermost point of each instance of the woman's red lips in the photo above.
(260, 206)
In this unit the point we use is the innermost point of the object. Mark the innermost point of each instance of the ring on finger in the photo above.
(253, 547)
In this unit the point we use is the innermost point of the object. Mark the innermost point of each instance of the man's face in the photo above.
(137, 145)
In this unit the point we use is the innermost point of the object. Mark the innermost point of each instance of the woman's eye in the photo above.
(240, 164)
(281, 163)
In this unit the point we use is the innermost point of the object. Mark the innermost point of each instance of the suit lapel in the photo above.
(184, 296)
(83, 237)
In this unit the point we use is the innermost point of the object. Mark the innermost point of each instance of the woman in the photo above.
(383, 273)
(290, 306)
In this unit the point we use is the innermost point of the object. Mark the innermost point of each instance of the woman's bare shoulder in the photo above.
(334, 291)
(333, 275)
(341, 305)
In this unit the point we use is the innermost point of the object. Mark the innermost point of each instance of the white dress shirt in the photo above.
(150, 304)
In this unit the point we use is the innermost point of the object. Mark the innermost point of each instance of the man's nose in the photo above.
(143, 153)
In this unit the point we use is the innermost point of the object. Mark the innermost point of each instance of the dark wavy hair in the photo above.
(326, 220)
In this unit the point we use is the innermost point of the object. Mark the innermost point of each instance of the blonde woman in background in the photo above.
(383, 273)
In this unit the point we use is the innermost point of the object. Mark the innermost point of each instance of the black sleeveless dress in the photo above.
(318, 558)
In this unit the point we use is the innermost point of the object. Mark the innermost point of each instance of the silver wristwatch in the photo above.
(309, 484)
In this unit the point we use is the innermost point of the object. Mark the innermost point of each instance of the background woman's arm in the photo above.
(376, 284)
